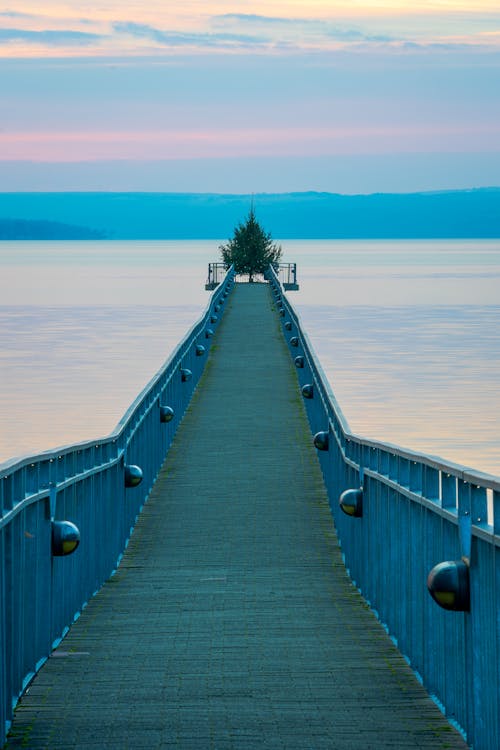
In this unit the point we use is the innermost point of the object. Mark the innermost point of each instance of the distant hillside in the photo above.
(23, 229)
(460, 214)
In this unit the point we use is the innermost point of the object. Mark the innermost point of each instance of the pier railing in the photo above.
(287, 274)
(401, 516)
(216, 275)
(91, 494)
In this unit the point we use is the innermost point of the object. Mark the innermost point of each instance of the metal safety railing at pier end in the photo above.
(89, 495)
(420, 537)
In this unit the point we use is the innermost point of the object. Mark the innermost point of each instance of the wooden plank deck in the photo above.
(231, 623)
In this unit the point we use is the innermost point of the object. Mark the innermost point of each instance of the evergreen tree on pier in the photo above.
(251, 249)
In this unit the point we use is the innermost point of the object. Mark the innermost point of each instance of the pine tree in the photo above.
(251, 250)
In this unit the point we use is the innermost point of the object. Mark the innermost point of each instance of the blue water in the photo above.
(407, 332)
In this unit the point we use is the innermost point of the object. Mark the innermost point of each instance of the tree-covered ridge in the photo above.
(251, 249)
(156, 216)
(23, 229)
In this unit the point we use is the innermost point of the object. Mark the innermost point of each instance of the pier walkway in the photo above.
(231, 622)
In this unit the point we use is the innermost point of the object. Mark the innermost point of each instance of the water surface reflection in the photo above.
(407, 332)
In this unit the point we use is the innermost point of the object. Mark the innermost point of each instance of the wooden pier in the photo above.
(231, 622)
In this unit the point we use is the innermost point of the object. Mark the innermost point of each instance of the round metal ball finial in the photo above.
(449, 586)
(321, 441)
(65, 538)
(299, 362)
(308, 390)
(200, 350)
(133, 475)
(288, 325)
(294, 341)
(186, 375)
(351, 502)
(166, 413)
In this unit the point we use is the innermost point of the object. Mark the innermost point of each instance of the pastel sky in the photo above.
(347, 96)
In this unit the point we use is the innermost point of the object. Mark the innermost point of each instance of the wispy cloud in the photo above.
(176, 38)
(309, 140)
(124, 28)
(14, 14)
(253, 18)
(51, 37)
(355, 35)
(301, 30)
(407, 28)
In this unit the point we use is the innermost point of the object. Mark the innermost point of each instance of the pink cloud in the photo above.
(305, 141)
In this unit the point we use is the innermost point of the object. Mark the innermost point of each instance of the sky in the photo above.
(276, 96)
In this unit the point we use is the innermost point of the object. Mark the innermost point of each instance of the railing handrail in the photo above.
(461, 471)
(92, 490)
(403, 519)
(16, 462)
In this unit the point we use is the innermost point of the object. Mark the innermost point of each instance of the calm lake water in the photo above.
(407, 332)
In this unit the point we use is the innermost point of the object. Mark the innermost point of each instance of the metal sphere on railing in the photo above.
(299, 361)
(321, 441)
(166, 413)
(308, 390)
(351, 502)
(288, 325)
(294, 341)
(133, 475)
(186, 375)
(65, 538)
(449, 585)
(199, 350)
